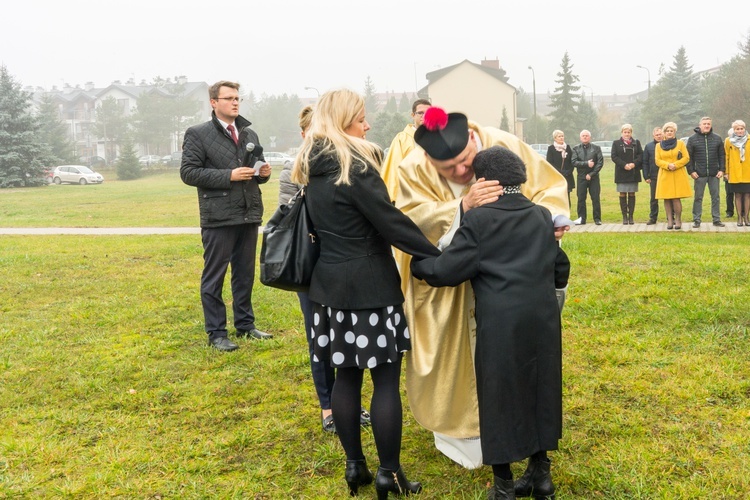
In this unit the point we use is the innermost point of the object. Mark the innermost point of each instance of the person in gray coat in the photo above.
(231, 208)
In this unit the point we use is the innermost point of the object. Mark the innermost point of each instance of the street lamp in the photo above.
(536, 120)
(649, 75)
(313, 88)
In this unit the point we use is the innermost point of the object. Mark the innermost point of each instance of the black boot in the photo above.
(503, 490)
(357, 474)
(631, 207)
(396, 482)
(624, 210)
(536, 481)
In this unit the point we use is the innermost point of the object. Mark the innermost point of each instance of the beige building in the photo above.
(480, 91)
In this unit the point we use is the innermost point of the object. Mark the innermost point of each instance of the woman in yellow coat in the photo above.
(673, 183)
(738, 170)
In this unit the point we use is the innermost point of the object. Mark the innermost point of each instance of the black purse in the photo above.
(290, 247)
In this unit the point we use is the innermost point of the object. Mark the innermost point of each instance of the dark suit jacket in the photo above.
(357, 225)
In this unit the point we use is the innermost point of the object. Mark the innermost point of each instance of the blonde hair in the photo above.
(305, 117)
(335, 112)
(737, 122)
(625, 127)
(557, 133)
(667, 125)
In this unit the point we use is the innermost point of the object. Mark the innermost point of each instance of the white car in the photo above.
(273, 158)
(149, 160)
(606, 147)
(76, 174)
(540, 148)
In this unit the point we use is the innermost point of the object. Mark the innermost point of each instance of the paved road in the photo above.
(706, 227)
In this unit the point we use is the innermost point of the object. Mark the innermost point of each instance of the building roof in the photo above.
(498, 73)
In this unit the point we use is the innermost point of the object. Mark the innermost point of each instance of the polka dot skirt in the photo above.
(363, 338)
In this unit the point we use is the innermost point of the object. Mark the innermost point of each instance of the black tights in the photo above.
(385, 412)
(503, 470)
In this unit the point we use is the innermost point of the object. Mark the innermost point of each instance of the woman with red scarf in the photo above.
(626, 154)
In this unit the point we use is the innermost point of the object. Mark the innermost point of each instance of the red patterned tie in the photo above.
(232, 133)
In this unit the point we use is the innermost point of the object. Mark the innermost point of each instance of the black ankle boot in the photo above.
(503, 490)
(357, 474)
(396, 482)
(536, 481)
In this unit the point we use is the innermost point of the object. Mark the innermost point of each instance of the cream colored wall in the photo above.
(479, 96)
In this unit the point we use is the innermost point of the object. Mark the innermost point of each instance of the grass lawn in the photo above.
(107, 388)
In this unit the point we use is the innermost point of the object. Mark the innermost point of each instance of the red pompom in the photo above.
(435, 119)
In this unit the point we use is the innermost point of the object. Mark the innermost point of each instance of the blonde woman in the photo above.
(558, 155)
(738, 170)
(358, 317)
(673, 182)
(626, 155)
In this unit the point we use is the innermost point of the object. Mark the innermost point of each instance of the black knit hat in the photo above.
(500, 164)
(443, 136)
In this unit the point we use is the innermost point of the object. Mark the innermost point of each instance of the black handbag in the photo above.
(290, 247)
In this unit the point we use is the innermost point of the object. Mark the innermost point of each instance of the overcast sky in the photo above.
(277, 46)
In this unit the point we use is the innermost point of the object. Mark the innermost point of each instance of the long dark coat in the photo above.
(563, 165)
(622, 155)
(508, 251)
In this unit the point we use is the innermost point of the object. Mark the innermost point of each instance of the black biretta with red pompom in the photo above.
(443, 136)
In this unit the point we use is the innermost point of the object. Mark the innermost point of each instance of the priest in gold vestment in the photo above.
(436, 184)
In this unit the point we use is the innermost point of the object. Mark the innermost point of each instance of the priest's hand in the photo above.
(481, 193)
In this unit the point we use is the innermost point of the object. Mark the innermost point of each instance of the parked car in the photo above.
(273, 158)
(606, 147)
(540, 148)
(149, 160)
(93, 161)
(76, 174)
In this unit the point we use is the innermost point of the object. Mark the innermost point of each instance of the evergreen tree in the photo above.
(587, 118)
(371, 100)
(54, 133)
(404, 106)
(22, 155)
(127, 166)
(504, 123)
(277, 117)
(565, 100)
(385, 127)
(111, 125)
(391, 106)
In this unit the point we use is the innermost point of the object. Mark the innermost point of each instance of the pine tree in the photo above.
(391, 106)
(127, 166)
(565, 100)
(371, 100)
(727, 93)
(55, 133)
(504, 122)
(22, 155)
(404, 106)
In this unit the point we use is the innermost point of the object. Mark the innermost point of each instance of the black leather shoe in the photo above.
(598, 222)
(254, 334)
(502, 490)
(651, 222)
(719, 224)
(222, 344)
(697, 224)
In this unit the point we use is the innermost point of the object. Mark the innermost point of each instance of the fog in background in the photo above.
(277, 47)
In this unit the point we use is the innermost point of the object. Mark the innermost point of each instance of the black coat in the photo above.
(208, 157)
(648, 161)
(622, 155)
(564, 166)
(706, 152)
(508, 251)
(357, 224)
(581, 156)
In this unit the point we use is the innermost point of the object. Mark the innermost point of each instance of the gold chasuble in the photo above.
(401, 146)
(440, 377)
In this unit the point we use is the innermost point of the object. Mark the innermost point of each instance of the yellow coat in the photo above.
(401, 146)
(672, 184)
(738, 171)
(440, 378)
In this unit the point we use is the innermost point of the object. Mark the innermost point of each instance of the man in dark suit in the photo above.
(231, 209)
(588, 161)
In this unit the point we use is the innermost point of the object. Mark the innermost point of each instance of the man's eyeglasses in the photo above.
(420, 113)
(230, 99)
